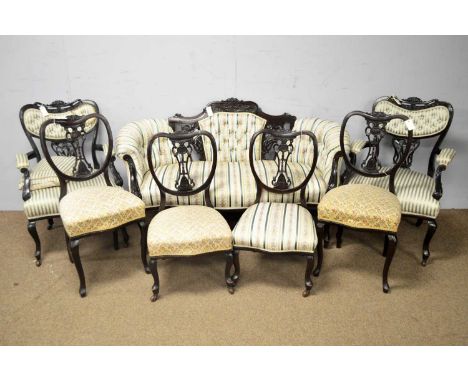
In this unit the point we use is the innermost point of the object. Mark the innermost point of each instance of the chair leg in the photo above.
(431, 229)
(75, 251)
(144, 244)
(419, 221)
(153, 266)
(33, 232)
(326, 235)
(125, 236)
(339, 236)
(384, 252)
(227, 273)
(318, 268)
(391, 246)
(115, 236)
(67, 242)
(236, 275)
(51, 223)
(308, 274)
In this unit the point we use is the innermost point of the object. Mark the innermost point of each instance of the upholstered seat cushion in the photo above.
(233, 185)
(45, 201)
(361, 206)
(42, 175)
(95, 209)
(276, 227)
(188, 231)
(413, 189)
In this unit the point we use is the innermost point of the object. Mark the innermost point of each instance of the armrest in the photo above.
(22, 161)
(22, 164)
(332, 153)
(445, 157)
(442, 160)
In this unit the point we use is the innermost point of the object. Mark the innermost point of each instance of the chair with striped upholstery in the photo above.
(281, 227)
(365, 206)
(418, 193)
(89, 210)
(187, 230)
(232, 123)
(39, 184)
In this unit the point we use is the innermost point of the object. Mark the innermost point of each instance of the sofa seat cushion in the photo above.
(44, 202)
(96, 209)
(276, 227)
(361, 206)
(188, 231)
(233, 185)
(413, 189)
(42, 175)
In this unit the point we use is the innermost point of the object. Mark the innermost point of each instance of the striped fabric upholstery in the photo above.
(276, 227)
(42, 176)
(22, 161)
(357, 146)
(233, 185)
(413, 189)
(427, 121)
(445, 156)
(45, 201)
(33, 119)
(133, 140)
(232, 133)
(328, 138)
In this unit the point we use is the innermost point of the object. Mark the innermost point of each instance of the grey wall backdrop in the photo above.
(140, 77)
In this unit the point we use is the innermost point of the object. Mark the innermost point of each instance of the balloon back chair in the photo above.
(365, 206)
(281, 228)
(39, 184)
(89, 209)
(194, 228)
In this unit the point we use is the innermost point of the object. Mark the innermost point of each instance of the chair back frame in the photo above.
(282, 145)
(75, 138)
(376, 123)
(183, 144)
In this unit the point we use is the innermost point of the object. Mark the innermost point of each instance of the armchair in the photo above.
(418, 193)
(39, 184)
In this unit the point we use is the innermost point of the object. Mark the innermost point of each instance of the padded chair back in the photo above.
(431, 118)
(74, 131)
(183, 145)
(282, 145)
(376, 124)
(32, 116)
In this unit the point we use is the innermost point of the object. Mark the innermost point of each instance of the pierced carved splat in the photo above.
(399, 144)
(375, 131)
(283, 149)
(182, 151)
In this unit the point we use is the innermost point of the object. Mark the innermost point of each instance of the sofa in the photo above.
(232, 123)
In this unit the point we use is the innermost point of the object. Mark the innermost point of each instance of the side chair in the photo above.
(90, 210)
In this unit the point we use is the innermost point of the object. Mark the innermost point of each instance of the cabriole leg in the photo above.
(318, 268)
(33, 232)
(227, 273)
(236, 275)
(75, 251)
(431, 229)
(144, 244)
(67, 242)
(391, 246)
(153, 266)
(339, 236)
(384, 252)
(308, 279)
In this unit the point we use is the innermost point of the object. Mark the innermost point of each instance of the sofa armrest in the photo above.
(115, 174)
(332, 153)
(443, 159)
(22, 164)
(357, 146)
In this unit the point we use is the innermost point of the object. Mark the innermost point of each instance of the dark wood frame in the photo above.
(184, 143)
(284, 143)
(55, 108)
(410, 104)
(377, 121)
(75, 126)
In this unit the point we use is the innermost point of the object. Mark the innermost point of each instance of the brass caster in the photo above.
(316, 273)
(231, 290)
(154, 297)
(386, 288)
(83, 292)
(147, 270)
(38, 262)
(306, 293)
(424, 261)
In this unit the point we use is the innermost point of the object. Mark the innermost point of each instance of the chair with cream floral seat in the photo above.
(419, 193)
(40, 185)
(365, 206)
(281, 228)
(187, 230)
(94, 209)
